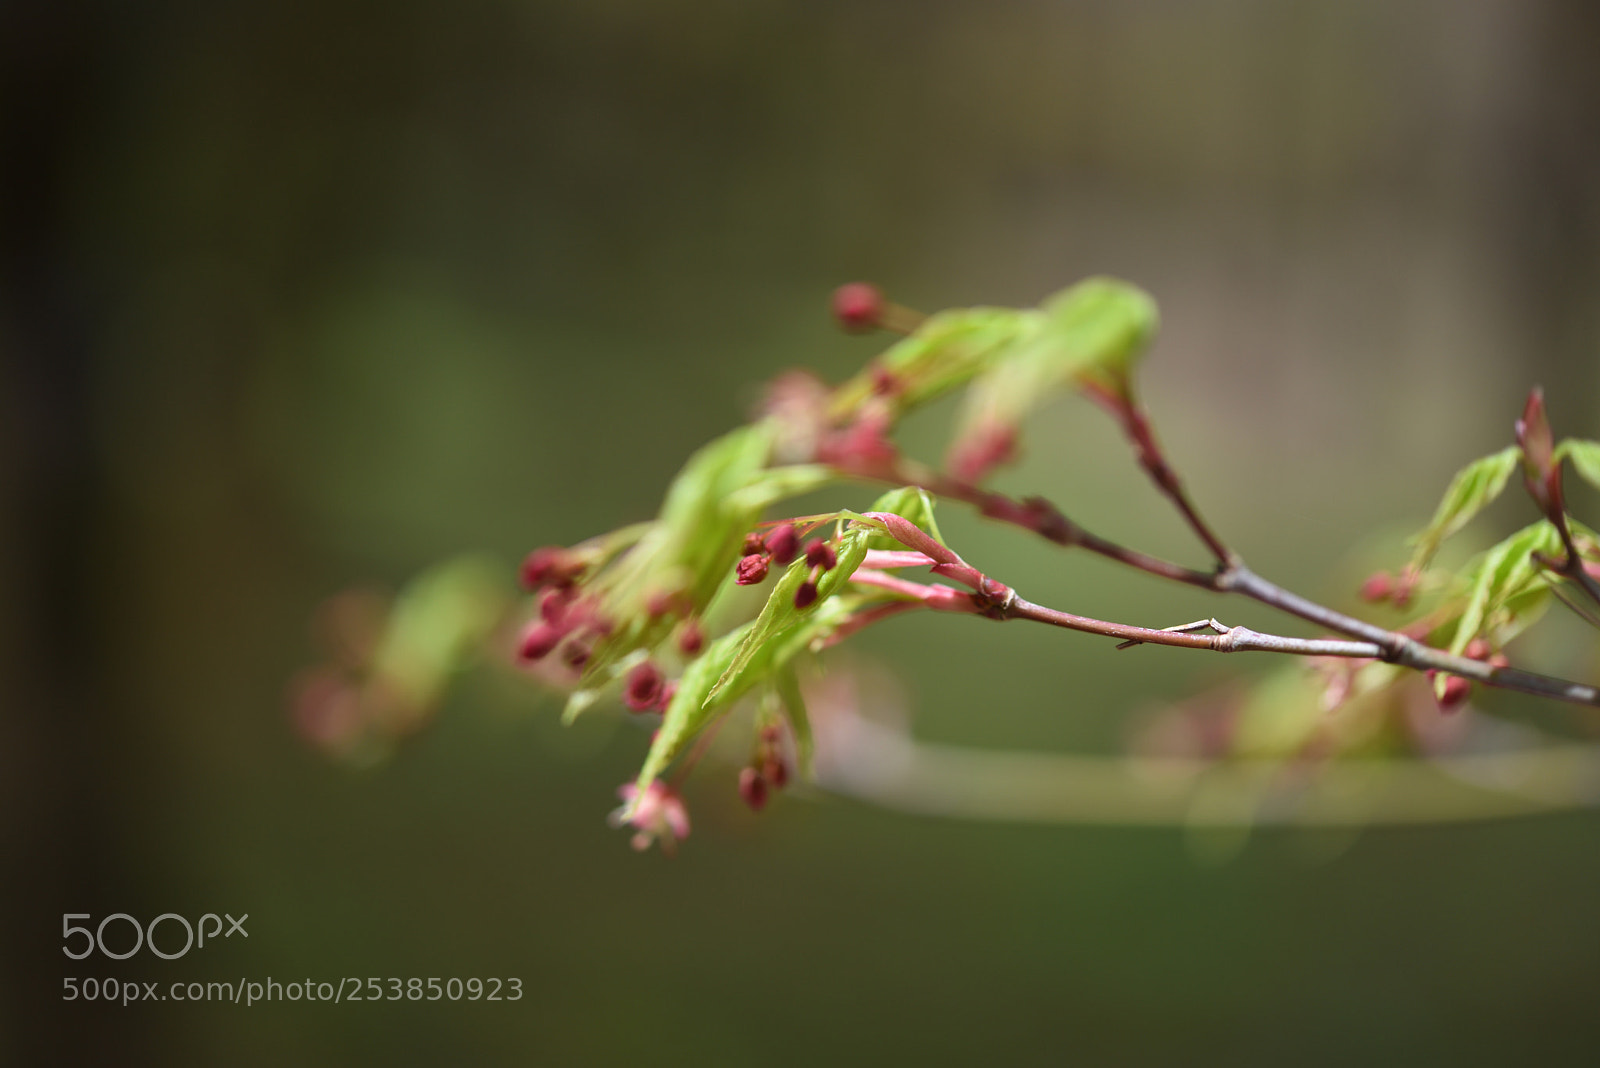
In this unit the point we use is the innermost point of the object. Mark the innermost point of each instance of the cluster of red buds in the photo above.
(567, 619)
(782, 546)
(767, 769)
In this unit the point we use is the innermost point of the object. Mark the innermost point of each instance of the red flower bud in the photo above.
(783, 543)
(752, 569)
(1477, 649)
(982, 449)
(806, 595)
(538, 640)
(643, 688)
(752, 788)
(1456, 692)
(553, 566)
(858, 306)
(692, 638)
(663, 602)
(863, 446)
(776, 772)
(1378, 588)
(820, 554)
(553, 606)
(753, 544)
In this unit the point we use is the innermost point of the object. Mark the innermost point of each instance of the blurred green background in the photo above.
(301, 296)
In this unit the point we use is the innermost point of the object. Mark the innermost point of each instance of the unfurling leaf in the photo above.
(945, 352)
(1472, 490)
(710, 686)
(1585, 457)
(687, 552)
(1088, 335)
(909, 502)
(1101, 326)
(1503, 576)
(438, 621)
(787, 686)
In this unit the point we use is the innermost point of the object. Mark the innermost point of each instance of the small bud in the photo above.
(863, 446)
(1455, 693)
(643, 689)
(1541, 474)
(858, 306)
(783, 543)
(806, 595)
(1405, 586)
(752, 788)
(551, 565)
(692, 638)
(538, 640)
(776, 772)
(753, 544)
(662, 602)
(553, 606)
(1378, 588)
(820, 554)
(1477, 649)
(982, 449)
(752, 569)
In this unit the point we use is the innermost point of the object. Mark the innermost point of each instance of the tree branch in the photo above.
(999, 601)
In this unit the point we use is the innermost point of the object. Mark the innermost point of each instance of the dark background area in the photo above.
(300, 296)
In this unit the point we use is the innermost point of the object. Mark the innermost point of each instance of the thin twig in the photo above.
(1577, 609)
(999, 601)
(1228, 640)
(1572, 567)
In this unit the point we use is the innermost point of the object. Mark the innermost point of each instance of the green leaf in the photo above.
(691, 708)
(1472, 490)
(945, 352)
(717, 469)
(703, 694)
(779, 615)
(787, 685)
(780, 483)
(1585, 457)
(439, 620)
(1502, 573)
(1090, 333)
(1100, 326)
(691, 547)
